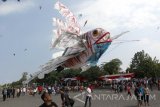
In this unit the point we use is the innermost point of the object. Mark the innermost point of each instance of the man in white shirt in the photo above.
(24, 90)
(88, 96)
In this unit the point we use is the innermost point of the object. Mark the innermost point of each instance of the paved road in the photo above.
(101, 98)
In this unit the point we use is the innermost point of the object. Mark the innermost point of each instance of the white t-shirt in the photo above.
(24, 89)
(89, 92)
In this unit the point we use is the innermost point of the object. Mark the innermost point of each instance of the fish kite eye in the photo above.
(95, 33)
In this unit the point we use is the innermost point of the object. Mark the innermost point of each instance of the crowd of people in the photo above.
(12, 92)
(138, 87)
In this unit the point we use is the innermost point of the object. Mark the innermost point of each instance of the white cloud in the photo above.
(150, 46)
(14, 7)
(145, 41)
(121, 13)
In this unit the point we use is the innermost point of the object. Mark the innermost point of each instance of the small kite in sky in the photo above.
(14, 54)
(4, 0)
(25, 49)
(85, 23)
(40, 7)
(80, 15)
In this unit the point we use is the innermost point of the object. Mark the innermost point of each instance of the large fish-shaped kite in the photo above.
(79, 49)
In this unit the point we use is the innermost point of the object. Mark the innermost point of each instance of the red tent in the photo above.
(116, 76)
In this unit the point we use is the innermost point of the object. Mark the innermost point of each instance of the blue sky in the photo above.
(24, 26)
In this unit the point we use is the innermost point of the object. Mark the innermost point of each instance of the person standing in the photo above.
(24, 90)
(40, 89)
(47, 100)
(81, 88)
(146, 96)
(13, 92)
(62, 97)
(88, 96)
(141, 95)
(8, 92)
(129, 90)
(136, 93)
(4, 93)
(69, 102)
(34, 91)
(49, 90)
(18, 92)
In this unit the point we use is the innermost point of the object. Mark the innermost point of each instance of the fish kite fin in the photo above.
(71, 21)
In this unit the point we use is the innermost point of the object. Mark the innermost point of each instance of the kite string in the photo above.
(123, 41)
